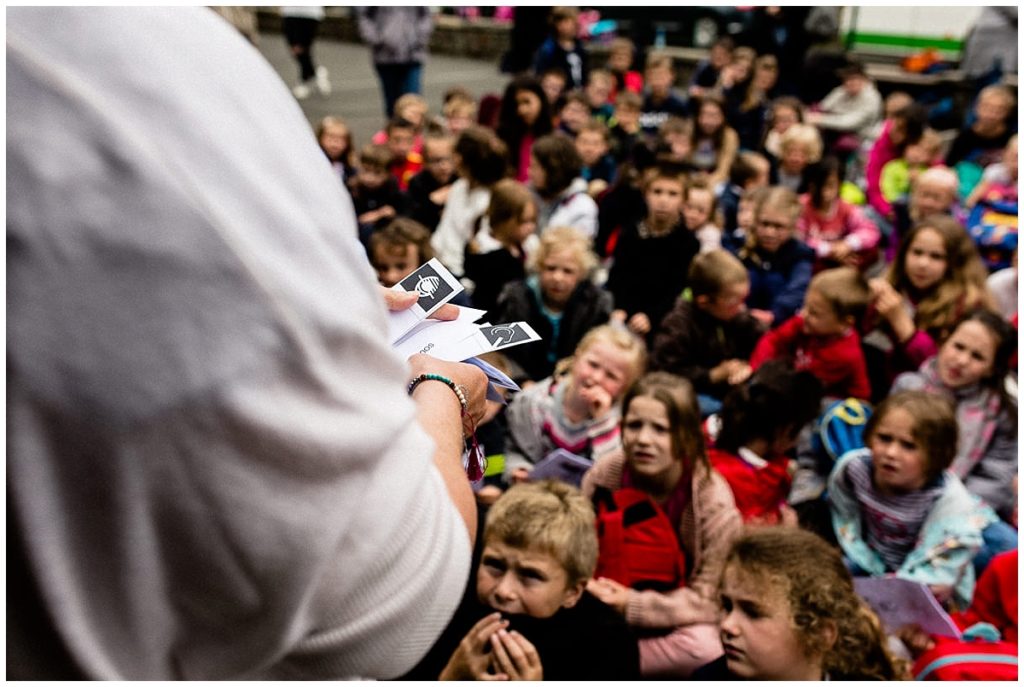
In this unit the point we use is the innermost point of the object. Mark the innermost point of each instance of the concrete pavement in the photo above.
(356, 95)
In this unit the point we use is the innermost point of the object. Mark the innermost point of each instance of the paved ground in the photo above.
(356, 95)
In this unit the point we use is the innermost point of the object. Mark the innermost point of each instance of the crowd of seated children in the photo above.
(558, 299)
(767, 251)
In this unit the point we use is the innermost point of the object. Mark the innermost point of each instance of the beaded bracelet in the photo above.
(475, 461)
(444, 380)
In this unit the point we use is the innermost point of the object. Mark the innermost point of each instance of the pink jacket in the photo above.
(846, 222)
(709, 526)
(883, 151)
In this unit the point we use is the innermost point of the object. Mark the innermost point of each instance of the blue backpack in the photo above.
(840, 428)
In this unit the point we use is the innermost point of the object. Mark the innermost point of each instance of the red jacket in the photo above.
(837, 361)
(758, 491)
(995, 598)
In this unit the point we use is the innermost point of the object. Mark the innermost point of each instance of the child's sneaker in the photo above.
(323, 84)
(302, 91)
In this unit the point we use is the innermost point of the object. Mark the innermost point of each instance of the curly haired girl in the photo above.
(790, 613)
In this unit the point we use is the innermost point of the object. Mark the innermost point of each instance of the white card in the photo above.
(435, 286)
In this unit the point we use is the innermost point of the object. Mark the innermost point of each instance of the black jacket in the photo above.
(588, 307)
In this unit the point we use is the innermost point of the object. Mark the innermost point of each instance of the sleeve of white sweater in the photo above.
(215, 469)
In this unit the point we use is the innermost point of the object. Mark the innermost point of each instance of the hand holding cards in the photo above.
(460, 340)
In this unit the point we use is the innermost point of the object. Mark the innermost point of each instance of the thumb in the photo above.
(399, 300)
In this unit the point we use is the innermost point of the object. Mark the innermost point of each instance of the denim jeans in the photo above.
(396, 80)
(999, 537)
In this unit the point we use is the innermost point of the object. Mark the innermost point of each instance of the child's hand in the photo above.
(386, 211)
(519, 475)
(733, 371)
(788, 516)
(941, 592)
(889, 304)
(639, 324)
(599, 401)
(440, 196)
(610, 592)
(515, 657)
(740, 373)
(766, 317)
(618, 316)
(840, 250)
(470, 662)
(915, 639)
(488, 494)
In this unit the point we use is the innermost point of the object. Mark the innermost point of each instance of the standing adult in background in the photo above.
(529, 30)
(398, 37)
(300, 26)
(214, 469)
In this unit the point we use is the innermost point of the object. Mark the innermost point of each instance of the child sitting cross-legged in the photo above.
(896, 507)
(823, 337)
(526, 614)
(708, 337)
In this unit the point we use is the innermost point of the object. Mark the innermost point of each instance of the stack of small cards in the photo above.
(460, 340)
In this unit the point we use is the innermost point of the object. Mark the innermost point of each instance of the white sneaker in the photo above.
(302, 91)
(323, 84)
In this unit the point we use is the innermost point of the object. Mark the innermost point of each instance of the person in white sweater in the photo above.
(855, 107)
(214, 468)
(480, 162)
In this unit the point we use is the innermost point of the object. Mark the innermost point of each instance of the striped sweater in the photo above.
(537, 425)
